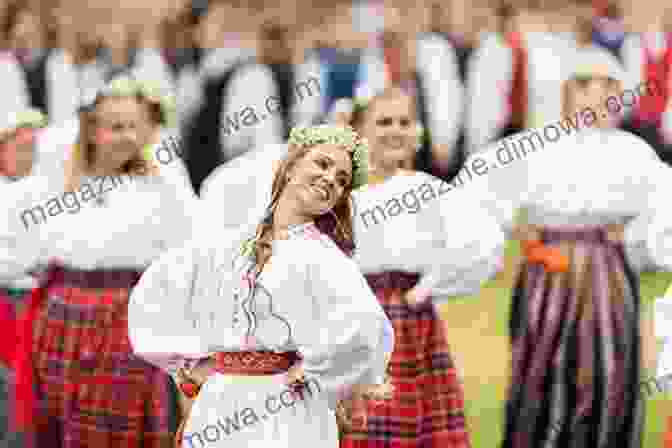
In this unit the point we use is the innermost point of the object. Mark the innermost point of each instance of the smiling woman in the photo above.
(89, 260)
(277, 301)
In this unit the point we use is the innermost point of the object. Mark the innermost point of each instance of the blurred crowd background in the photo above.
(478, 68)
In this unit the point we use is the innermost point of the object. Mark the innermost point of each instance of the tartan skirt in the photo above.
(575, 377)
(91, 390)
(427, 407)
(12, 303)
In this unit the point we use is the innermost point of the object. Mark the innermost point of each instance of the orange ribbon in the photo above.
(551, 257)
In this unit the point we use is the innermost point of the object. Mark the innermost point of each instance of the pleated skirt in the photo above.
(90, 390)
(427, 409)
(12, 305)
(576, 349)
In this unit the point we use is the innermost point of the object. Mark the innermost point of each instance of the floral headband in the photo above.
(31, 118)
(28, 119)
(346, 137)
(125, 86)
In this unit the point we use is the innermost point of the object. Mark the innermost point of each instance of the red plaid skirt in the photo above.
(12, 305)
(92, 391)
(427, 409)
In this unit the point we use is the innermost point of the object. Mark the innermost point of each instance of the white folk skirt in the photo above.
(259, 412)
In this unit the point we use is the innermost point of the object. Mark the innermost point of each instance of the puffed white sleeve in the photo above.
(161, 325)
(648, 237)
(472, 249)
(175, 210)
(21, 248)
(346, 339)
(239, 191)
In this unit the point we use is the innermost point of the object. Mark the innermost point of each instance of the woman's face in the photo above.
(17, 152)
(121, 129)
(592, 93)
(319, 179)
(390, 128)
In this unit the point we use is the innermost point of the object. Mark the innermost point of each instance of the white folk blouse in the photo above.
(592, 177)
(310, 298)
(417, 223)
(109, 222)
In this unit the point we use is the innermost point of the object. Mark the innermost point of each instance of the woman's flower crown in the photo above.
(127, 86)
(346, 137)
(31, 118)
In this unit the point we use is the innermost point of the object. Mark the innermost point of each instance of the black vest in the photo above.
(204, 152)
(36, 80)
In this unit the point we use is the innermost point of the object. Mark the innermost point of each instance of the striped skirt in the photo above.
(427, 409)
(575, 375)
(12, 304)
(91, 390)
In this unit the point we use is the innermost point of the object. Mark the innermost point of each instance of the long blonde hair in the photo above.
(337, 224)
(84, 151)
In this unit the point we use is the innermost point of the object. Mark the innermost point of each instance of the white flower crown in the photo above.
(341, 136)
(31, 118)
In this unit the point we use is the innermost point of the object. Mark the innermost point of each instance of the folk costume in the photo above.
(406, 239)
(13, 294)
(648, 59)
(574, 321)
(435, 85)
(310, 303)
(512, 82)
(403, 236)
(77, 382)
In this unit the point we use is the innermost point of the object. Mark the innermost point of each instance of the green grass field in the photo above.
(478, 333)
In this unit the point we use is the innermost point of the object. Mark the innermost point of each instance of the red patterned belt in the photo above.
(254, 363)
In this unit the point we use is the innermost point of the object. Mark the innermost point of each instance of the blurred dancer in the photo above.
(515, 76)
(426, 67)
(233, 118)
(647, 57)
(575, 313)
(276, 303)
(91, 225)
(415, 255)
(17, 153)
